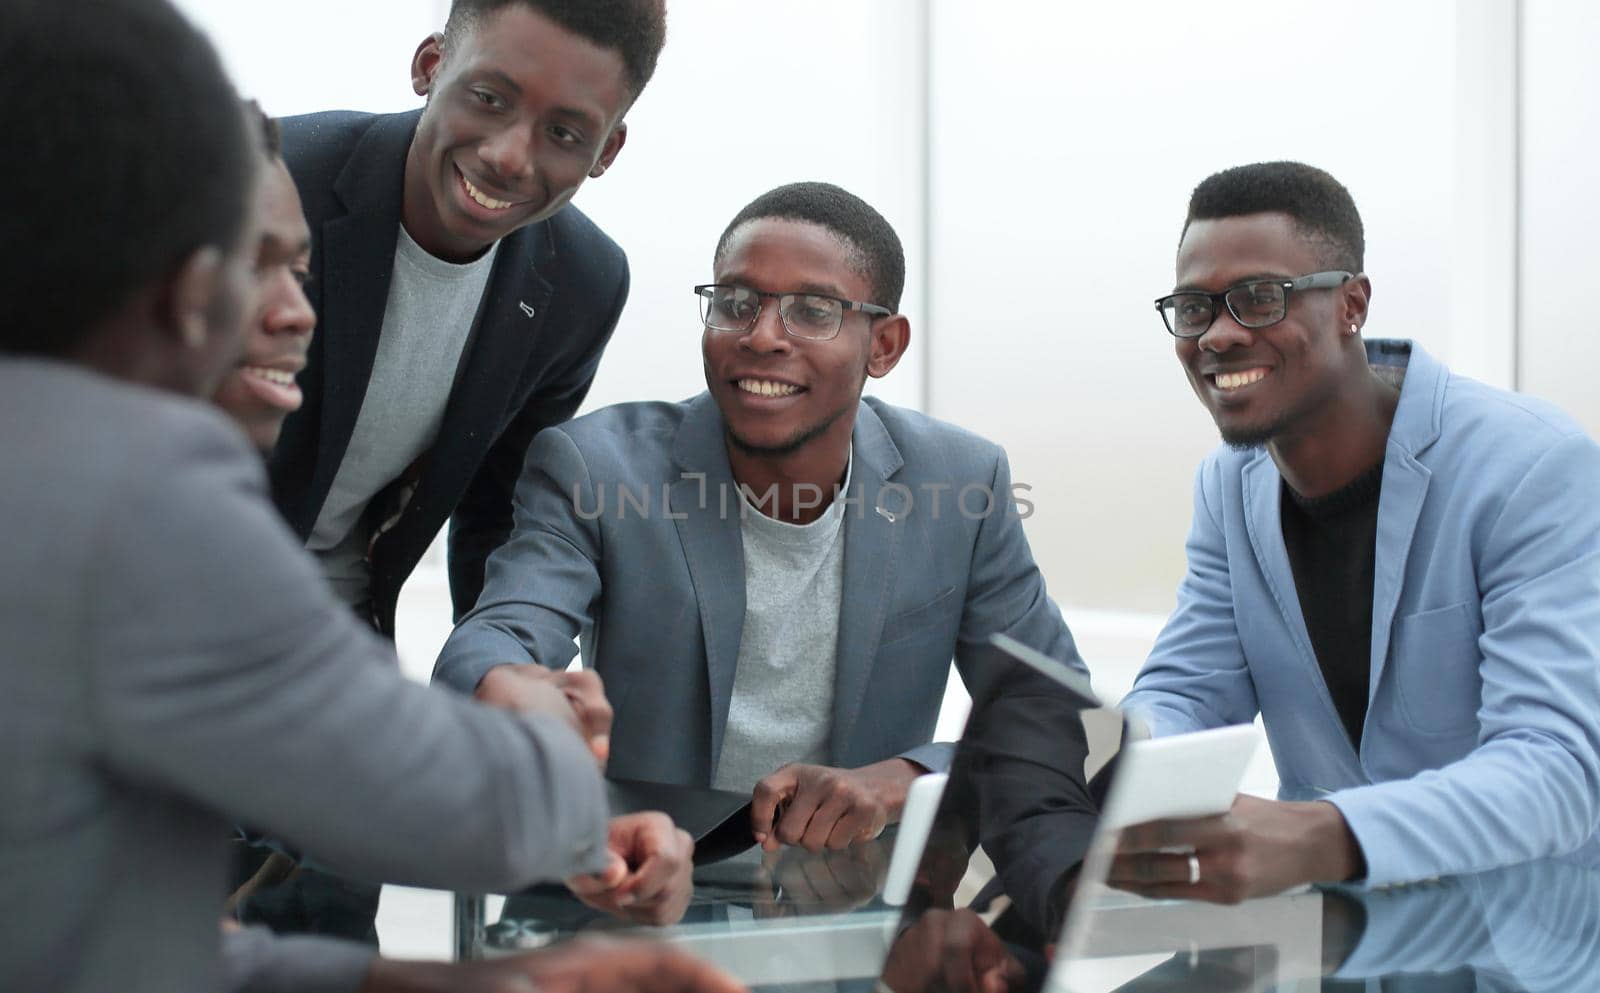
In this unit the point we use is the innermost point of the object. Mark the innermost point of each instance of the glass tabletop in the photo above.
(798, 920)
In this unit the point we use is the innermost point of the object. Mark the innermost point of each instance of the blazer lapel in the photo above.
(1262, 487)
(871, 540)
(1405, 487)
(706, 511)
(496, 356)
(359, 249)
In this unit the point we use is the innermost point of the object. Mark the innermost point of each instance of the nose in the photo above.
(509, 153)
(767, 334)
(284, 307)
(1224, 333)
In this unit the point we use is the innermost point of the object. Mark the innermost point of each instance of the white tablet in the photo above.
(1180, 776)
(916, 820)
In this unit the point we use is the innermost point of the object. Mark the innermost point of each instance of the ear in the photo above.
(425, 63)
(608, 154)
(890, 337)
(191, 296)
(1356, 297)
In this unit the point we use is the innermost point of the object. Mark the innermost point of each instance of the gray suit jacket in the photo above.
(172, 661)
(656, 592)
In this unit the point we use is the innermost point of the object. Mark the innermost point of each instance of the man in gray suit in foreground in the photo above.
(171, 657)
(771, 577)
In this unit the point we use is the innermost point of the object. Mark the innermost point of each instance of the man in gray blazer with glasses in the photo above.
(772, 577)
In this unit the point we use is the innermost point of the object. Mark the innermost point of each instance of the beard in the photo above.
(1247, 437)
(790, 445)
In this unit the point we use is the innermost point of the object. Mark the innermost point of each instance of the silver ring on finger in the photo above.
(1194, 869)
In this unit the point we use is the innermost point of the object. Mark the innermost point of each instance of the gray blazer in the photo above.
(656, 592)
(172, 661)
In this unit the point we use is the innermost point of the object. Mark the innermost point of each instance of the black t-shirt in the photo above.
(1331, 542)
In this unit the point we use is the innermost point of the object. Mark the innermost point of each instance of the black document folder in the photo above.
(718, 821)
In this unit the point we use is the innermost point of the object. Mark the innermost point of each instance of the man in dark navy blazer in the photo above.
(463, 305)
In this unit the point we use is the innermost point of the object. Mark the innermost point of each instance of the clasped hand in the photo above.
(817, 807)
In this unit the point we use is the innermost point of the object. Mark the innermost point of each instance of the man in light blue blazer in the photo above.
(1398, 568)
(773, 576)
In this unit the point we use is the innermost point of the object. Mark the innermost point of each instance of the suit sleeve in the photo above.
(482, 520)
(1036, 813)
(1005, 590)
(1531, 787)
(223, 670)
(1196, 676)
(543, 585)
(254, 960)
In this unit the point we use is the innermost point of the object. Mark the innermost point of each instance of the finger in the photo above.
(1008, 974)
(796, 816)
(588, 696)
(825, 819)
(1154, 868)
(1176, 891)
(650, 880)
(860, 823)
(766, 799)
(1153, 836)
(596, 883)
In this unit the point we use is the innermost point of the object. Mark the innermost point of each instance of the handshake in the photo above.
(647, 879)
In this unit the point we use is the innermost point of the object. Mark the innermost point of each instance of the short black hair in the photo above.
(267, 127)
(873, 247)
(634, 29)
(1322, 209)
(125, 150)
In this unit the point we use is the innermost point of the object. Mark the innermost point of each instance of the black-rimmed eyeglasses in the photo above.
(812, 316)
(1258, 303)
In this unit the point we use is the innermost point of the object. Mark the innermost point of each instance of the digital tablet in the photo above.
(1179, 776)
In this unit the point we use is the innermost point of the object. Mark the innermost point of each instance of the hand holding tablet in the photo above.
(1181, 776)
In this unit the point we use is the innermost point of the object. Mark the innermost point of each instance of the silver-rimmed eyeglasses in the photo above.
(812, 316)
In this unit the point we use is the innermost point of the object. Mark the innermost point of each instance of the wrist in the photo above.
(895, 777)
(1335, 854)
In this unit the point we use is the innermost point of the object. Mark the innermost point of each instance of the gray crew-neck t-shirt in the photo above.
(432, 304)
(781, 710)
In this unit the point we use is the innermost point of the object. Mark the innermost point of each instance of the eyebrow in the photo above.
(278, 246)
(1255, 277)
(504, 79)
(821, 289)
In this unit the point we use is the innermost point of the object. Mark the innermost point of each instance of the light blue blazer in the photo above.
(652, 581)
(1482, 739)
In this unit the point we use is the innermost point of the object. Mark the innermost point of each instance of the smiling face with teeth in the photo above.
(520, 112)
(783, 397)
(261, 391)
(1289, 379)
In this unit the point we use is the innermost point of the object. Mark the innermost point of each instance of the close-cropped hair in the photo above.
(873, 248)
(271, 134)
(634, 29)
(125, 151)
(1321, 208)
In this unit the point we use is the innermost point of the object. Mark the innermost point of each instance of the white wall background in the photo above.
(1560, 216)
(1066, 140)
(1036, 159)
